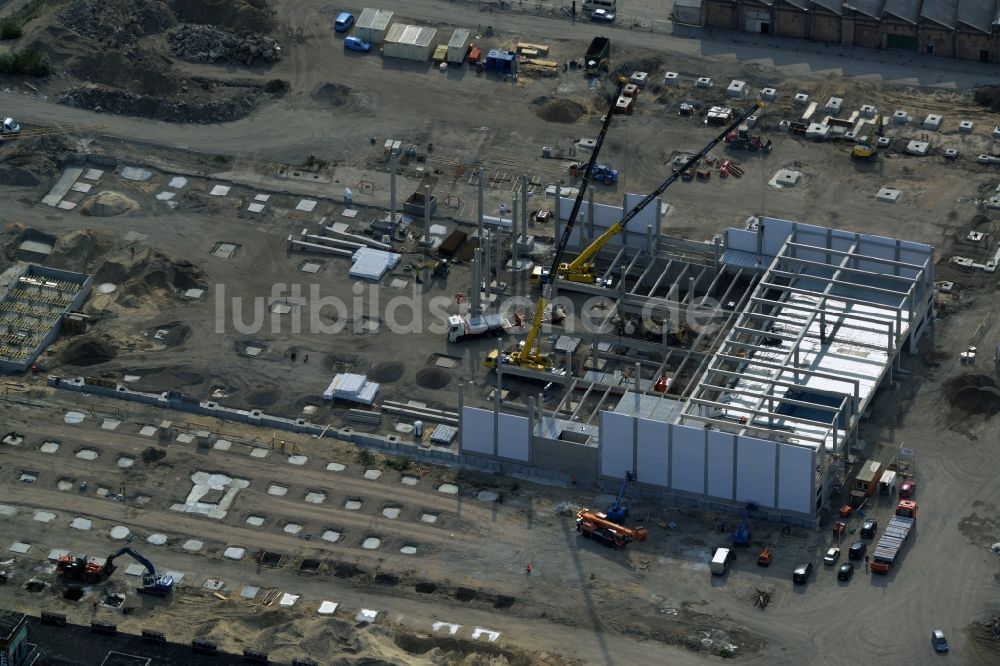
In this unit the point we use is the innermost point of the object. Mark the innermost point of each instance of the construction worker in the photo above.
(868, 565)
(528, 569)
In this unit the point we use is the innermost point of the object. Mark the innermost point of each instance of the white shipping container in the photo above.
(410, 42)
(373, 24)
(458, 46)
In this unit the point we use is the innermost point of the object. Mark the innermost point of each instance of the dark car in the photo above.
(802, 572)
(857, 550)
(869, 528)
(938, 640)
(845, 571)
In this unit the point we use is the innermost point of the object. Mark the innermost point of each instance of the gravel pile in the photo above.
(206, 43)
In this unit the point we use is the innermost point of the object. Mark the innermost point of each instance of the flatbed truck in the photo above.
(894, 538)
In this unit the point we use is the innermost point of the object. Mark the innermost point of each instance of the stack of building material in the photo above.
(371, 264)
(356, 388)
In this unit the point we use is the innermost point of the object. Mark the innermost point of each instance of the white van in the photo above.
(721, 560)
(606, 5)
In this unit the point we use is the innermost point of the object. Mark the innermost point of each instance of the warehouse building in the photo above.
(373, 24)
(410, 42)
(768, 408)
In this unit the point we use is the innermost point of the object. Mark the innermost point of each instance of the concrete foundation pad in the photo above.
(255, 521)
(373, 474)
(157, 539)
(87, 454)
(178, 576)
(135, 570)
(276, 490)
(297, 460)
(185, 438)
(177, 182)
(73, 418)
(56, 553)
(366, 615)
(193, 545)
(327, 608)
(450, 628)
(391, 512)
(429, 518)
(408, 550)
(371, 543)
(110, 424)
(448, 489)
(315, 498)
(289, 600)
(261, 197)
(352, 505)
(19, 547)
(888, 194)
(234, 553)
(44, 516)
(292, 528)
(259, 453)
(214, 584)
(92, 174)
(8, 510)
(331, 535)
(306, 205)
(125, 462)
(222, 445)
(487, 496)
(255, 208)
(249, 592)
(49, 447)
(119, 532)
(310, 267)
(147, 431)
(335, 467)
(220, 190)
(409, 480)
(480, 634)
(81, 524)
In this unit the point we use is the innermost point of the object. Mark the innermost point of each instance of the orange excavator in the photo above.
(597, 526)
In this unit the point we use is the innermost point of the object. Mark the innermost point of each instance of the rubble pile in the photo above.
(237, 104)
(761, 599)
(205, 43)
(117, 21)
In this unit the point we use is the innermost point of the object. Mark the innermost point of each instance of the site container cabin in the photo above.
(373, 24)
(410, 42)
(458, 46)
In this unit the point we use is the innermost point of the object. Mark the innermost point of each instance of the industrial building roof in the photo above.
(653, 406)
(907, 10)
(942, 12)
(977, 14)
(872, 8)
(374, 19)
(835, 6)
(459, 38)
(816, 337)
(9, 622)
(411, 34)
(688, 3)
(801, 4)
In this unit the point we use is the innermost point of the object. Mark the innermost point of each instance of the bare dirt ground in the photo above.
(655, 603)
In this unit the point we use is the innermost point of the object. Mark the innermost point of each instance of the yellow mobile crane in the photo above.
(527, 356)
(581, 269)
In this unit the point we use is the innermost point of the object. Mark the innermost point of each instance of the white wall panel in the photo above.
(755, 470)
(653, 444)
(514, 437)
(477, 430)
(720, 464)
(616, 444)
(795, 473)
(688, 465)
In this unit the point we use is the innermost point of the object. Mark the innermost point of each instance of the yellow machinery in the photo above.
(864, 151)
(526, 356)
(581, 269)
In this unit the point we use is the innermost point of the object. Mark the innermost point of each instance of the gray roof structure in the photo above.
(977, 14)
(942, 12)
(9, 622)
(906, 10)
(800, 4)
(872, 8)
(835, 6)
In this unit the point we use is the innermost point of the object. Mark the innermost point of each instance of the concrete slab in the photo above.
(214, 584)
(220, 190)
(81, 187)
(119, 532)
(327, 607)
(185, 438)
(289, 600)
(315, 497)
(252, 351)
(373, 474)
(480, 634)
(28, 477)
(255, 208)
(261, 197)
(429, 518)
(297, 460)
(194, 293)
(335, 467)
(65, 485)
(306, 205)
(87, 454)
(397, 283)
(445, 627)
(135, 173)
(147, 431)
(178, 576)
(225, 250)
(352, 505)
(888, 195)
(8, 510)
(349, 212)
(391, 512)
(249, 592)
(44, 516)
(409, 480)
(165, 196)
(371, 543)
(92, 174)
(157, 539)
(110, 424)
(331, 536)
(366, 615)
(310, 267)
(66, 205)
(408, 550)
(222, 445)
(56, 553)
(202, 483)
(135, 569)
(234, 553)
(259, 452)
(292, 528)
(81, 524)
(125, 462)
(177, 182)
(487, 496)
(19, 547)
(276, 490)
(255, 521)
(61, 188)
(49, 447)
(193, 545)
(74, 418)
(448, 489)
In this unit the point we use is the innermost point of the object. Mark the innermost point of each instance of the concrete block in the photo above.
(918, 147)
(868, 111)
(996, 132)
(639, 78)
(888, 195)
(703, 82)
(834, 105)
(801, 99)
(950, 153)
(900, 117)
(883, 142)
(769, 94)
(737, 89)
(966, 126)
(932, 122)
(671, 79)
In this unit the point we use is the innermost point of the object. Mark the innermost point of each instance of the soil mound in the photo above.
(238, 103)
(108, 204)
(14, 176)
(387, 372)
(236, 15)
(88, 351)
(560, 111)
(79, 249)
(973, 395)
(139, 70)
(117, 21)
(334, 94)
(433, 378)
(155, 274)
(988, 96)
(206, 43)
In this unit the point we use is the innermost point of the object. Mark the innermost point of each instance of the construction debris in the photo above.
(762, 598)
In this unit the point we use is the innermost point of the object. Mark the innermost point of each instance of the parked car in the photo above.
(343, 22)
(9, 126)
(869, 528)
(845, 571)
(602, 16)
(857, 550)
(357, 44)
(832, 555)
(938, 640)
(802, 572)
